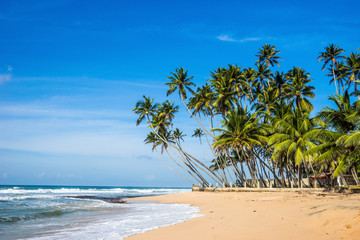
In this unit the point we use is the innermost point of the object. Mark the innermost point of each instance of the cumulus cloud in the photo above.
(227, 38)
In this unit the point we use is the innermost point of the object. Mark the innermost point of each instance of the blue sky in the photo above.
(71, 71)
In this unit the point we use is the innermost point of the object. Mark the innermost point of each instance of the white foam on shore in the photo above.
(77, 191)
(141, 217)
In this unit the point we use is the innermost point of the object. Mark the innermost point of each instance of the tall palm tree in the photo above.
(289, 138)
(278, 82)
(167, 110)
(267, 55)
(342, 119)
(339, 140)
(198, 133)
(297, 91)
(352, 66)
(263, 73)
(241, 133)
(145, 108)
(331, 56)
(224, 96)
(181, 81)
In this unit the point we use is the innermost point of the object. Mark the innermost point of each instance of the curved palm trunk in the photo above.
(232, 163)
(172, 168)
(274, 174)
(191, 168)
(202, 126)
(215, 157)
(205, 167)
(199, 181)
(180, 150)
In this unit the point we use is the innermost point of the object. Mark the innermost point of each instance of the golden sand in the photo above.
(262, 215)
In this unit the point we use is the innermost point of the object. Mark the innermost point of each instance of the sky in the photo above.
(71, 71)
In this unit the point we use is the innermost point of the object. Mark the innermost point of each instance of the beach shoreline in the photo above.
(262, 215)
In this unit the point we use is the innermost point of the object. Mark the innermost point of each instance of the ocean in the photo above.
(71, 212)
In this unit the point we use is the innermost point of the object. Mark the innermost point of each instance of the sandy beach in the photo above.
(262, 215)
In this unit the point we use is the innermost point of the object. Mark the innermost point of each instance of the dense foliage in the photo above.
(267, 134)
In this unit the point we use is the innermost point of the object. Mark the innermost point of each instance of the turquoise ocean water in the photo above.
(72, 212)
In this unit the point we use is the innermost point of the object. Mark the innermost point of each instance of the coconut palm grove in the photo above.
(259, 126)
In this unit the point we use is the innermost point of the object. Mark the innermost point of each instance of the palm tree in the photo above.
(297, 91)
(263, 73)
(167, 110)
(178, 135)
(343, 119)
(352, 67)
(198, 133)
(181, 81)
(330, 56)
(338, 148)
(267, 55)
(277, 138)
(241, 133)
(278, 81)
(340, 74)
(223, 94)
(290, 139)
(145, 108)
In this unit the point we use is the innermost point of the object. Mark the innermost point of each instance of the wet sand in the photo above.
(262, 215)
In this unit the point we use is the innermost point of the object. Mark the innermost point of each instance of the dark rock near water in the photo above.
(105, 199)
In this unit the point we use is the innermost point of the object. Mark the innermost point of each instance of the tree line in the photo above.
(257, 123)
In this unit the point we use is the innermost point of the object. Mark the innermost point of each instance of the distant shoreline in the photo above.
(265, 215)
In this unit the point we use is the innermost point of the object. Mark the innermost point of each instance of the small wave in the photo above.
(68, 191)
(30, 217)
(9, 219)
(25, 197)
(48, 214)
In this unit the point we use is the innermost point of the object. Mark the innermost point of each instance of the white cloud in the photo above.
(4, 175)
(227, 38)
(5, 77)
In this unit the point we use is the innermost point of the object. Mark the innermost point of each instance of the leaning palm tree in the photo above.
(267, 55)
(167, 110)
(241, 133)
(331, 56)
(198, 133)
(145, 108)
(181, 81)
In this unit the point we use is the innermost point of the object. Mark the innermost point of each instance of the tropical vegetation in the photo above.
(258, 124)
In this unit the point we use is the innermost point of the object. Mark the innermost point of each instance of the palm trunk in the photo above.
(333, 70)
(172, 169)
(202, 126)
(183, 168)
